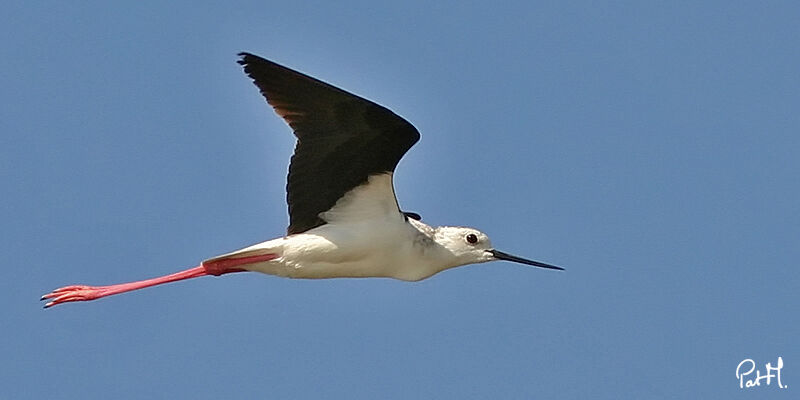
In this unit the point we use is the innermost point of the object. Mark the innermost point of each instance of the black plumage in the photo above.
(342, 139)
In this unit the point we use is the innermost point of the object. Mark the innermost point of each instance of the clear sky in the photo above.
(650, 148)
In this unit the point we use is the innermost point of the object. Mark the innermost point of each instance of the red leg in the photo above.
(217, 267)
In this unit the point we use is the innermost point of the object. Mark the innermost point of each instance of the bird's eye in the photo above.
(472, 238)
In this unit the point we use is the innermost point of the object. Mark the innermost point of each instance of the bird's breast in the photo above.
(383, 248)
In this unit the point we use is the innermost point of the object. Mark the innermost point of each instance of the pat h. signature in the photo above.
(746, 368)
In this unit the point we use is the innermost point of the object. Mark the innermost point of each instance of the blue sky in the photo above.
(651, 148)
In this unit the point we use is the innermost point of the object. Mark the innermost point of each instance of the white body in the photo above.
(367, 236)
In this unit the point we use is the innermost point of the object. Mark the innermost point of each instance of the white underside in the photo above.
(366, 236)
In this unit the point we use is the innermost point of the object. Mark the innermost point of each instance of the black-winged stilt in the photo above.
(344, 220)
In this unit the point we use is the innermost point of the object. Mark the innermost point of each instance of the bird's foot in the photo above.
(67, 294)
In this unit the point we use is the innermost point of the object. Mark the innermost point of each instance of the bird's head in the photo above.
(471, 246)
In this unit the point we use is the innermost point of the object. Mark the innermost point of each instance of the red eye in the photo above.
(472, 238)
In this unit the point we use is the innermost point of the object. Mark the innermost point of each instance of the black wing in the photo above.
(342, 139)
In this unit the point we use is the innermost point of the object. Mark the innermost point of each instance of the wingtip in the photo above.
(245, 57)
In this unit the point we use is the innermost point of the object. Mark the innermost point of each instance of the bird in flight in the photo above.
(344, 219)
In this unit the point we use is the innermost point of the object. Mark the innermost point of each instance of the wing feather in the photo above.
(342, 139)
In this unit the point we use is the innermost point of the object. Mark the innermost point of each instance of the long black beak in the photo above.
(508, 257)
